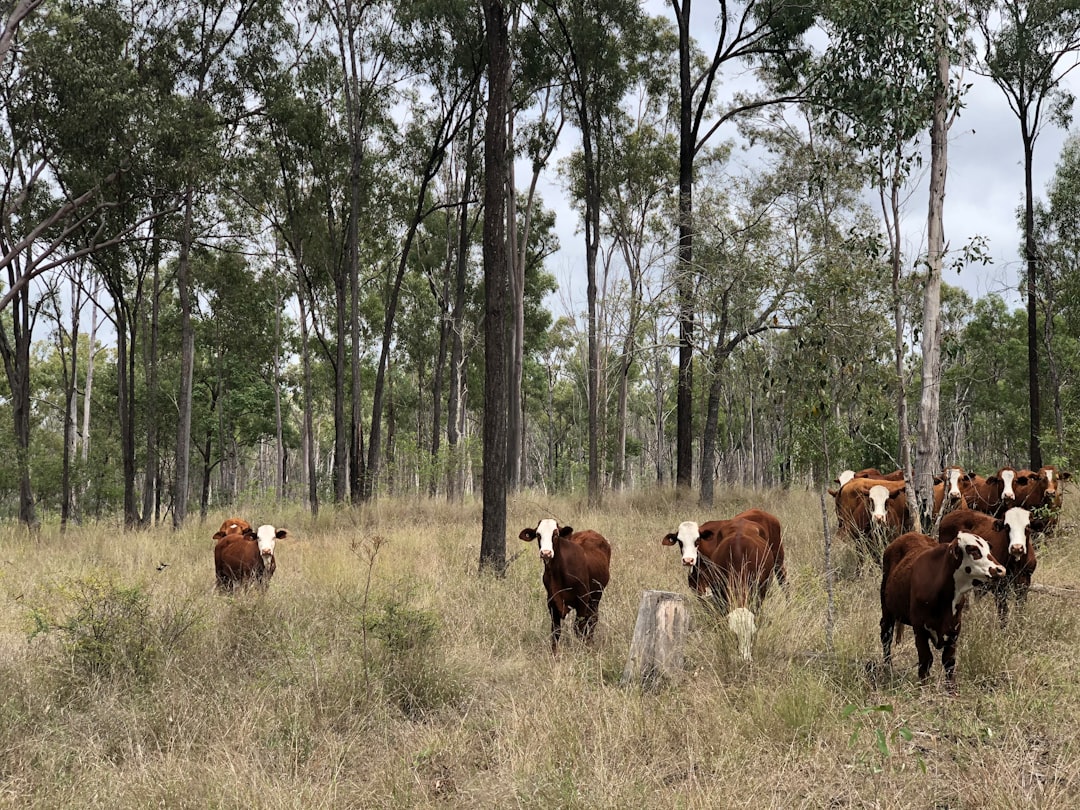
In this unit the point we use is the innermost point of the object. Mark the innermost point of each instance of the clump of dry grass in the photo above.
(382, 670)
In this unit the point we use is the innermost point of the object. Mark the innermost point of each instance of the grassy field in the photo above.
(380, 671)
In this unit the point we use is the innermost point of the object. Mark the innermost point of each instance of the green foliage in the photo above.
(110, 632)
(882, 739)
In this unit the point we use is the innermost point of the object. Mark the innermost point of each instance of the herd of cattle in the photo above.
(985, 535)
(985, 529)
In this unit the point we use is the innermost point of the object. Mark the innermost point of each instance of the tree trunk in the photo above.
(187, 365)
(928, 459)
(1031, 256)
(17, 366)
(684, 280)
(496, 279)
(310, 468)
(150, 369)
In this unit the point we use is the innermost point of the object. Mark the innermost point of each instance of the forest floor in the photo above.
(380, 670)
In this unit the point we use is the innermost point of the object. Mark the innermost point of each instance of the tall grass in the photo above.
(381, 671)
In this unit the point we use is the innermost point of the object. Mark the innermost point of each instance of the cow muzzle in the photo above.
(546, 554)
(1017, 551)
(997, 572)
(688, 561)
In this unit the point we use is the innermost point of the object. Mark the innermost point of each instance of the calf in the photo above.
(731, 561)
(243, 559)
(576, 571)
(924, 584)
(232, 526)
(1054, 496)
(1009, 538)
(872, 512)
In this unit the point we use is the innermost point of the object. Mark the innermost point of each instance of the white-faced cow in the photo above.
(872, 512)
(1010, 541)
(731, 561)
(247, 558)
(993, 494)
(924, 584)
(576, 571)
(947, 492)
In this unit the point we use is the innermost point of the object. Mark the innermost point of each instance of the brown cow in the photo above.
(731, 561)
(947, 492)
(576, 571)
(244, 559)
(872, 512)
(1031, 488)
(924, 584)
(993, 495)
(232, 526)
(1009, 538)
(1054, 496)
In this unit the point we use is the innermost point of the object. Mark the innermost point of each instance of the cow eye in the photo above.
(975, 553)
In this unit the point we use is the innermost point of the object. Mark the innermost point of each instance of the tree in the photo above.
(1028, 47)
(746, 31)
(496, 286)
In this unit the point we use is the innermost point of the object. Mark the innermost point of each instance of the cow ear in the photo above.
(669, 539)
(1064, 476)
(218, 535)
(281, 534)
(566, 531)
(527, 535)
(955, 551)
(896, 494)
(705, 534)
(999, 525)
(833, 492)
(1022, 479)
(993, 479)
(938, 479)
(1037, 524)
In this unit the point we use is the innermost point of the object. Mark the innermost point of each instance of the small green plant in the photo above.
(884, 743)
(108, 631)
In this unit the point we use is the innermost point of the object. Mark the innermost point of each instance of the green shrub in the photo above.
(105, 631)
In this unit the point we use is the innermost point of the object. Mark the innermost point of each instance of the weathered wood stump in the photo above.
(656, 650)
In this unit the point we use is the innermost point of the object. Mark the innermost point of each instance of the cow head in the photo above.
(844, 477)
(267, 537)
(951, 478)
(1017, 522)
(545, 533)
(974, 561)
(879, 496)
(1053, 477)
(688, 538)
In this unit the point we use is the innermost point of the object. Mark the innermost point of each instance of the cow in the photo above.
(731, 561)
(872, 512)
(871, 472)
(947, 493)
(924, 584)
(993, 495)
(1054, 496)
(1031, 488)
(247, 558)
(576, 571)
(232, 525)
(1009, 538)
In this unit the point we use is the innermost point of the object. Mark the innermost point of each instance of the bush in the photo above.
(110, 632)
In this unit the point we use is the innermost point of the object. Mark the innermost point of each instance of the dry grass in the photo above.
(433, 686)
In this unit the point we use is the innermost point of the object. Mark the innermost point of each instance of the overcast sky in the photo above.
(984, 190)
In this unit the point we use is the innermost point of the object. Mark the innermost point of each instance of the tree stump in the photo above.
(656, 650)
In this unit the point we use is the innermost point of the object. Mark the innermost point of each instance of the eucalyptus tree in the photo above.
(600, 50)
(1057, 238)
(443, 49)
(74, 183)
(1027, 48)
(747, 32)
(634, 203)
(880, 95)
(496, 285)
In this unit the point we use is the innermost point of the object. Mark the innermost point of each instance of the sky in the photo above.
(984, 191)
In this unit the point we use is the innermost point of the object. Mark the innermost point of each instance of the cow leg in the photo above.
(781, 574)
(887, 627)
(557, 613)
(1001, 597)
(948, 662)
(926, 655)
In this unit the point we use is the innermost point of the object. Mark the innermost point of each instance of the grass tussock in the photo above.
(380, 670)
